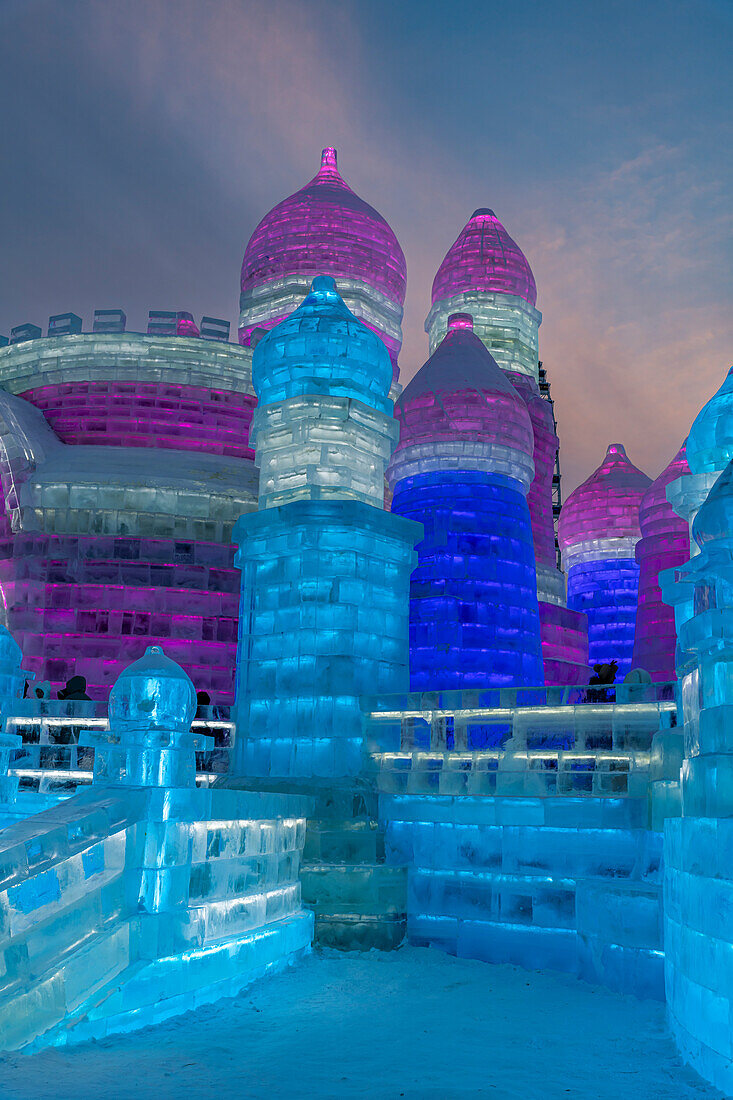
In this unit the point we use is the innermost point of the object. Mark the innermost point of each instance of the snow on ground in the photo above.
(413, 1023)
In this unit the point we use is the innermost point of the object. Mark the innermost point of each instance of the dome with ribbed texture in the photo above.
(710, 442)
(656, 515)
(322, 348)
(607, 504)
(460, 392)
(485, 258)
(326, 229)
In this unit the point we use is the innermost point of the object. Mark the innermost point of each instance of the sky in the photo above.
(143, 140)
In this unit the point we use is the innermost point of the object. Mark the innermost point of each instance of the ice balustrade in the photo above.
(144, 896)
(160, 323)
(519, 741)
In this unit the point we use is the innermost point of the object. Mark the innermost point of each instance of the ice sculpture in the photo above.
(599, 530)
(664, 543)
(486, 274)
(463, 467)
(324, 229)
(325, 571)
(145, 896)
(124, 461)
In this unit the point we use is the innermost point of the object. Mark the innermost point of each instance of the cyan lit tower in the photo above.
(463, 468)
(324, 229)
(709, 448)
(599, 530)
(664, 544)
(325, 570)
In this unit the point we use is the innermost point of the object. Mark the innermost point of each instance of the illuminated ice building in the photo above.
(404, 743)
(599, 531)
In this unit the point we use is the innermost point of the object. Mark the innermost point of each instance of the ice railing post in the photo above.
(12, 682)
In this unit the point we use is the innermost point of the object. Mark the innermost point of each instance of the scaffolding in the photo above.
(556, 476)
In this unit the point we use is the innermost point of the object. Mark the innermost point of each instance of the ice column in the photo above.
(664, 543)
(599, 530)
(325, 570)
(463, 468)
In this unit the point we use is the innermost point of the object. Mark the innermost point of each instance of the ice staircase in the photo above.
(359, 899)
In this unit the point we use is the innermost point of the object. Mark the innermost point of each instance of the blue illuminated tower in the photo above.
(325, 570)
(463, 468)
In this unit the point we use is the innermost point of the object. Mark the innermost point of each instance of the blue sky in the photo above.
(143, 140)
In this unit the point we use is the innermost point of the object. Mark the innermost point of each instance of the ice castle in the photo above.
(410, 724)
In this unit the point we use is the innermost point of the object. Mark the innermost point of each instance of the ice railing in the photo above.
(518, 741)
(50, 759)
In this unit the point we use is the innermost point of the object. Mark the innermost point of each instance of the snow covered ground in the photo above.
(413, 1023)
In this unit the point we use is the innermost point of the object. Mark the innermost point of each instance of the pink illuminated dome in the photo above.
(485, 258)
(324, 229)
(461, 393)
(606, 505)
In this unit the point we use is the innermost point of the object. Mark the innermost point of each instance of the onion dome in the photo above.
(324, 229)
(714, 521)
(485, 258)
(152, 693)
(656, 515)
(606, 506)
(322, 348)
(710, 442)
(461, 399)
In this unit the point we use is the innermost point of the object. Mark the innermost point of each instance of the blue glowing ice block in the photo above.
(323, 620)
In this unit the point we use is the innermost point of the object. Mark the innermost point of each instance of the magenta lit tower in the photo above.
(599, 530)
(324, 229)
(486, 273)
(664, 544)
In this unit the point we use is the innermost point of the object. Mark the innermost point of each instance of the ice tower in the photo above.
(463, 468)
(324, 229)
(599, 530)
(485, 273)
(664, 543)
(325, 570)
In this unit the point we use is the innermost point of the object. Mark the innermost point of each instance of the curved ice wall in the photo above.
(664, 543)
(599, 530)
(125, 462)
(324, 229)
(463, 468)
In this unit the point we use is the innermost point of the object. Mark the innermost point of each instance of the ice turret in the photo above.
(325, 570)
(664, 544)
(463, 468)
(599, 530)
(486, 273)
(324, 229)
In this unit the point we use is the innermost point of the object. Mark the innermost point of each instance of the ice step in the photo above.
(346, 841)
